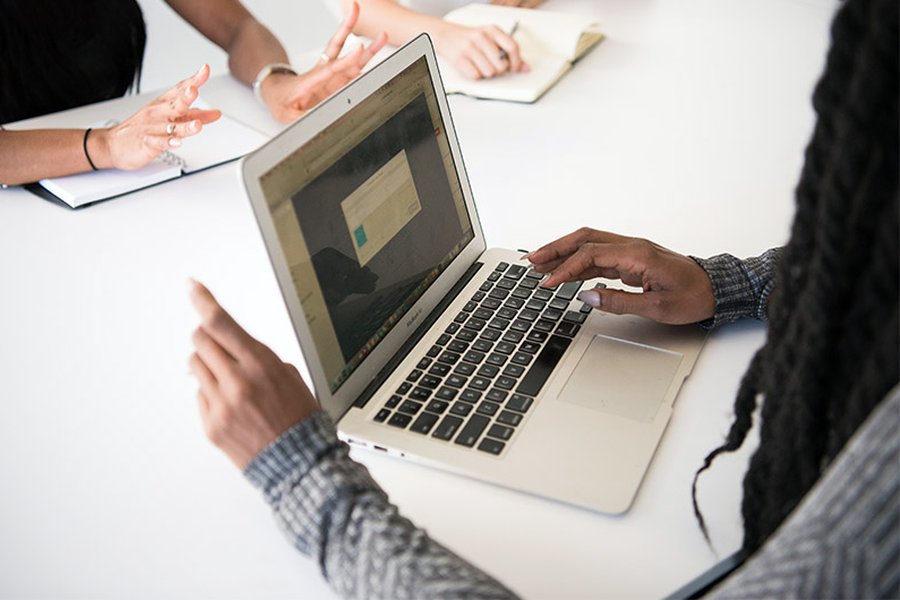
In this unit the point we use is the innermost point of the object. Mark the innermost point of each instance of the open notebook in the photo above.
(550, 42)
(218, 143)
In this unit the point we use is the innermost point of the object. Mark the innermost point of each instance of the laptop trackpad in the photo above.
(621, 378)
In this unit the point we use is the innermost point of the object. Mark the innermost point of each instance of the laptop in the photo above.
(422, 343)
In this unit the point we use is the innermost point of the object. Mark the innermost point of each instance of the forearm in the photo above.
(400, 23)
(741, 286)
(31, 155)
(332, 510)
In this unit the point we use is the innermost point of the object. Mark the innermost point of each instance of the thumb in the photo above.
(620, 302)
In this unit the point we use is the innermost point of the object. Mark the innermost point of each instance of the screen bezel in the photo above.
(255, 165)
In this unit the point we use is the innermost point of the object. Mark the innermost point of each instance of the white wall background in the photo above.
(175, 49)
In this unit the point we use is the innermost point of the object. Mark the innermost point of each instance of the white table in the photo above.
(686, 126)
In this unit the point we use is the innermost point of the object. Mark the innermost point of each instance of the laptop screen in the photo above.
(369, 213)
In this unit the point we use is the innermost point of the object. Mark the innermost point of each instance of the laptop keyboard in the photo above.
(475, 385)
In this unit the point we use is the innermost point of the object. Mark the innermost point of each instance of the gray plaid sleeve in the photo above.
(332, 510)
(741, 287)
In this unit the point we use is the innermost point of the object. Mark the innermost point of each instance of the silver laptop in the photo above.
(423, 344)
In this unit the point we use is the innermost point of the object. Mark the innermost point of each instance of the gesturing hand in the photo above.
(156, 127)
(479, 52)
(291, 96)
(247, 396)
(676, 289)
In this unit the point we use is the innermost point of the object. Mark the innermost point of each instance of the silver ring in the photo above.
(170, 128)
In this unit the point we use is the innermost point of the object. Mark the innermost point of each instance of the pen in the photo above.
(512, 31)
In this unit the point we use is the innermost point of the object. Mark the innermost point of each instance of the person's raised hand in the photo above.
(676, 289)
(158, 126)
(247, 396)
(291, 96)
(479, 52)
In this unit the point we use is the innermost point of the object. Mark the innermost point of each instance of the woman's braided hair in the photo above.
(831, 353)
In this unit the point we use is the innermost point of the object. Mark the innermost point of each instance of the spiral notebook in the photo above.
(220, 142)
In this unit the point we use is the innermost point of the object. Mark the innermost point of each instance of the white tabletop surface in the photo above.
(686, 126)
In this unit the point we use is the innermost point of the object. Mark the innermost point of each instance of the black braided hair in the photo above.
(831, 353)
(58, 54)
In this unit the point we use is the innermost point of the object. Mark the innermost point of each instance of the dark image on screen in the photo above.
(361, 298)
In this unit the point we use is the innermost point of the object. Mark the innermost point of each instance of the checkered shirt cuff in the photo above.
(741, 287)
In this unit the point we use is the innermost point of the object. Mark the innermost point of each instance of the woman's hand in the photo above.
(247, 396)
(158, 126)
(676, 289)
(479, 52)
(291, 96)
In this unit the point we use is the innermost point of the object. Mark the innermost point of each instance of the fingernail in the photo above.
(590, 297)
(174, 142)
(526, 256)
(195, 125)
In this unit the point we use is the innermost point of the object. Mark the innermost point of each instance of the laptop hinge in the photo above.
(417, 335)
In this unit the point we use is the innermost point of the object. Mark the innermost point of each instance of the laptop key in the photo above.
(446, 393)
(491, 334)
(470, 395)
(475, 324)
(419, 393)
(491, 446)
(472, 430)
(382, 415)
(464, 368)
(496, 359)
(466, 335)
(569, 289)
(423, 364)
(447, 427)
(507, 417)
(470, 306)
(506, 283)
(491, 303)
(532, 274)
(514, 303)
(513, 370)
(414, 375)
(519, 403)
(404, 387)
(505, 348)
(409, 407)
(487, 408)
(520, 358)
(452, 328)
(542, 294)
(528, 283)
(483, 345)
(430, 381)
(393, 401)
(543, 325)
(575, 317)
(500, 431)
(499, 293)
(478, 296)
(502, 266)
(513, 337)
(399, 420)
(459, 408)
(458, 346)
(479, 383)
(488, 371)
(558, 304)
(456, 381)
(543, 365)
(505, 383)
(483, 313)
(437, 406)
(529, 347)
(496, 395)
(493, 276)
(498, 323)
(585, 309)
(568, 329)
(516, 271)
(449, 358)
(474, 356)
(537, 305)
(521, 292)
(439, 369)
(552, 314)
(537, 337)
(461, 317)
(433, 351)
(424, 423)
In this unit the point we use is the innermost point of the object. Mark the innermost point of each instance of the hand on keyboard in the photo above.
(676, 289)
